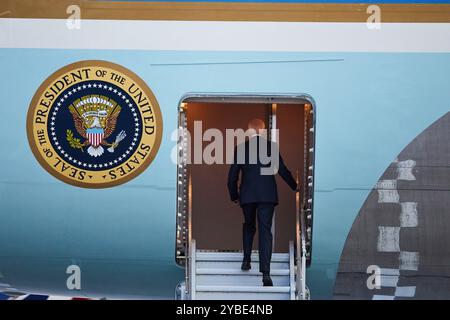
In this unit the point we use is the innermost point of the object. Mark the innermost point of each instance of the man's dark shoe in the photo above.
(267, 281)
(246, 265)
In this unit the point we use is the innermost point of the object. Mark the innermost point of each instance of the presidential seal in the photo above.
(94, 124)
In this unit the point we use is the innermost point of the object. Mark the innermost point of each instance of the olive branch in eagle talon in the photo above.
(95, 134)
(74, 142)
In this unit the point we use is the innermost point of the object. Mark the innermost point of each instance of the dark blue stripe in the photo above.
(36, 297)
(3, 297)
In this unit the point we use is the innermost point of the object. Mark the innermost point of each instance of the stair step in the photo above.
(219, 277)
(236, 256)
(251, 289)
(236, 265)
(242, 296)
(242, 279)
(251, 272)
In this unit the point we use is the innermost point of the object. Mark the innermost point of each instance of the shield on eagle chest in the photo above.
(95, 136)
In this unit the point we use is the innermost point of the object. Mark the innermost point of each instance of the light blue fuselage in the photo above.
(369, 106)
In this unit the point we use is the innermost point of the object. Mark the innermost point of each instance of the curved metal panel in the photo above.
(402, 228)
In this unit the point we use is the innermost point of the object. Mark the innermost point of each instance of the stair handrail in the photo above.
(292, 285)
(303, 258)
(192, 269)
(190, 259)
(300, 246)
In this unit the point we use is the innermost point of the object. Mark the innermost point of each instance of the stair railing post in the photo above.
(192, 269)
(299, 287)
(190, 261)
(303, 258)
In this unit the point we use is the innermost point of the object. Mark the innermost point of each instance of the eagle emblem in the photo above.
(95, 118)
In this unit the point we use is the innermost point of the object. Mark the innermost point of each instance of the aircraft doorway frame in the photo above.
(184, 182)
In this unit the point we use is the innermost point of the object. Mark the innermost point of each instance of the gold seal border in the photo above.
(94, 63)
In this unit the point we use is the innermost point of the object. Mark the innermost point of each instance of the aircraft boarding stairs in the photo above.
(215, 275)
(218, 275)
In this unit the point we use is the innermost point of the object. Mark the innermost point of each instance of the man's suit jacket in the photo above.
(255, 187)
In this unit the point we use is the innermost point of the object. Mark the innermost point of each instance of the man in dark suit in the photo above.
(257, 194)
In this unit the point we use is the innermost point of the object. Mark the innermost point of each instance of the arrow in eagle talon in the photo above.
(119, 138)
